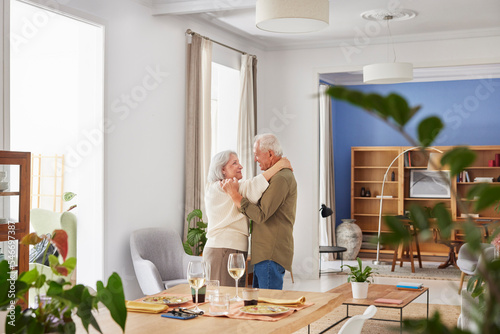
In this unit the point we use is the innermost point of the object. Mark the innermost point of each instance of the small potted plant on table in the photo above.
(360, 279)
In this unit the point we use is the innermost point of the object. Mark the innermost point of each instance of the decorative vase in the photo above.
(349, 235)
(359, 290)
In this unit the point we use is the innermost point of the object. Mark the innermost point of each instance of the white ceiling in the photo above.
(435, 20)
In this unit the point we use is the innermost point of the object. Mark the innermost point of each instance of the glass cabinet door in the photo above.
(14, 208)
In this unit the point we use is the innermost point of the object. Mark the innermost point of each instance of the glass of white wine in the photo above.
(197, 275)
(236, 268)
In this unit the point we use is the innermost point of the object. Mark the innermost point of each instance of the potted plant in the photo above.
(197, 235)
(54, 311)
(360, 279)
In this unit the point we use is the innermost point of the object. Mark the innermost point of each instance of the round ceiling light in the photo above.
(397, 14)
(292, 16)
(387, 73)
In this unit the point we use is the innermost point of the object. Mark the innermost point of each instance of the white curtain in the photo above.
(247, 115)
(326, 175)
(198, 122)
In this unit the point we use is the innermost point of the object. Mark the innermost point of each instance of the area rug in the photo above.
(449, 315)
(429, 271)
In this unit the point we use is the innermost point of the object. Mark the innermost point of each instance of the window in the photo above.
(225, 107)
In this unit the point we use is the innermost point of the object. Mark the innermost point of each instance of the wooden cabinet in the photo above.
(15, 169)
(370, 164)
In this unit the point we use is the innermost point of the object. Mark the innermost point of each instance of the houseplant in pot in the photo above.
(360, 279)
(197, 233)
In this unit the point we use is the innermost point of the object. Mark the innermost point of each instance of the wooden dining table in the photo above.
(154, 323)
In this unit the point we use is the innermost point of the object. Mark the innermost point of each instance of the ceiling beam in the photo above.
(199, 6)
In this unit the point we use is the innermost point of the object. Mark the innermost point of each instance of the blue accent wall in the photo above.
(470, 110)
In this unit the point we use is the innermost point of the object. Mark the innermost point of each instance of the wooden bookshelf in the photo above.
(368, 166)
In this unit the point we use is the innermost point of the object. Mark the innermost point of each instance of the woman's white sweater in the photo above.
(227, 227)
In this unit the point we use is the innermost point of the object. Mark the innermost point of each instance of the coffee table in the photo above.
(376, 291)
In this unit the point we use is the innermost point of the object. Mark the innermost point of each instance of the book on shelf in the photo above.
(406, 285)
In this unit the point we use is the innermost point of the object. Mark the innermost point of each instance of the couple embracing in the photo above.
(268, 199)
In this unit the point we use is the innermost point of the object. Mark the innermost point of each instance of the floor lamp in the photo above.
(377, 261)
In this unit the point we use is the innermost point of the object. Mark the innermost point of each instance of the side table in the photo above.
(332, 249)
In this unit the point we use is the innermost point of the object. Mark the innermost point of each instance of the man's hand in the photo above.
(230, 187)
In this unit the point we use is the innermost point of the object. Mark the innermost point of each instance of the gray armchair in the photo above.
(159, 259)
(468, 260)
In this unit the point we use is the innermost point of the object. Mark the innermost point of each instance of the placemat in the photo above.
(235, 313)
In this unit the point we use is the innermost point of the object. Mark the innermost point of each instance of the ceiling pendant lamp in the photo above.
(390, 72)
(292, 16)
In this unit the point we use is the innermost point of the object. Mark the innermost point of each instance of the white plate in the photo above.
(167, 300)
(264, 309)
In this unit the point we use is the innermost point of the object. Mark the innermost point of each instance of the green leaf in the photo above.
(187, 248)
(473, 235)
(476, 190)
(113, 297)
(399, 233)
(378, 104)
(20, 287)
(420, 218)
(68, 196)
(444, 220)
(202, 225)
(398, 109)
(194, 213)
(29, 277)
(458, 159)
(429, 129)
(488, 197)
(85, 306)
(40, 281)
(55, 289)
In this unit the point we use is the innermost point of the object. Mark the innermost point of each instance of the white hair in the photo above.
(218, 162)
(269, 142)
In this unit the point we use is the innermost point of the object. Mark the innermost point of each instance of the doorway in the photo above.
(56, 109)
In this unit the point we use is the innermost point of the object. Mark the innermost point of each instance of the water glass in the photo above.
(212, 288)
(219, 304)
(250, 296)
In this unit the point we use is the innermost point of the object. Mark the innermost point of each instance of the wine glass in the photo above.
(236, 268)
(196, 274)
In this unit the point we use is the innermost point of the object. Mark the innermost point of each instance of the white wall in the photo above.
(145, 121)
(144, 145)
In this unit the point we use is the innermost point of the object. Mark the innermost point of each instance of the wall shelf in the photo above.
(368, 167)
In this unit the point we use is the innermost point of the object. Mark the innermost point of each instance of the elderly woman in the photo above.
(227, 227)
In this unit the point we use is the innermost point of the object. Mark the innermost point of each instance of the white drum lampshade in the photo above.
(292, 16)
(387, 73)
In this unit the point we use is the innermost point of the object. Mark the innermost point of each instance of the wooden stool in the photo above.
(405, 252)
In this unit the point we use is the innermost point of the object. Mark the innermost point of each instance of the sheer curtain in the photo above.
(326, 175)
(198, 122)
(247, 116)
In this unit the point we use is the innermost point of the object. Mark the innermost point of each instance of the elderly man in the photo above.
(273, 217)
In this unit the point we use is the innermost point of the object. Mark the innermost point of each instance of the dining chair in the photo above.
(159, 259)
(355, 324)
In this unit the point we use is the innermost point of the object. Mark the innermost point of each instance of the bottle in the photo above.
(393, 176)
(363, 192)
(368, 193)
